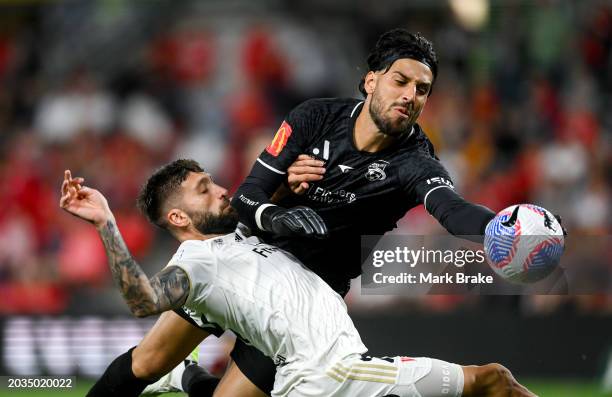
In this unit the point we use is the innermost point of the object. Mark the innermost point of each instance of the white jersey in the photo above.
(270, 300)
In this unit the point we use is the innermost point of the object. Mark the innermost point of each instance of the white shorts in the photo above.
(387, 376)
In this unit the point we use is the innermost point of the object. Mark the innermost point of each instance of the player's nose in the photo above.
(221, 191)
(409, 93)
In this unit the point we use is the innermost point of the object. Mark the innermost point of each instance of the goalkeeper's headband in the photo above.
(411, 54)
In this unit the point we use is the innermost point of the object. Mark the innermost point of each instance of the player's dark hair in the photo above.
(397, 44)
(161, 185)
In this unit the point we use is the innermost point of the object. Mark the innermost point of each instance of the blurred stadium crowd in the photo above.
(521, 112)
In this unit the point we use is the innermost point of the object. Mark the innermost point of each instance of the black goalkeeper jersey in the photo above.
(362, 193)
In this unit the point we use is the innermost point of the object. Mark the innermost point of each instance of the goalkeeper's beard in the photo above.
(384, 124)
(209, 223)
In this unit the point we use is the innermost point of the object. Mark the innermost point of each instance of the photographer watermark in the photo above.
(418, 265)
(413, 258)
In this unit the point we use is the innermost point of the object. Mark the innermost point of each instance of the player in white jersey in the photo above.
(268, 298)
(263, 294)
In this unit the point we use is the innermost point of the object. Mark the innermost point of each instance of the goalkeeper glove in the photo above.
(297, 221)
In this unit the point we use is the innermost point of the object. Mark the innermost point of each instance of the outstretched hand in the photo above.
(84, 202)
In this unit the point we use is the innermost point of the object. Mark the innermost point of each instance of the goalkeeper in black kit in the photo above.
(378, 165)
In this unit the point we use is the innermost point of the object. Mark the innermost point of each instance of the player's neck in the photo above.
(367, 137)
(195, 235)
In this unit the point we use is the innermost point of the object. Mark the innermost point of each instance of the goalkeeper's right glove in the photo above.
(297, 221)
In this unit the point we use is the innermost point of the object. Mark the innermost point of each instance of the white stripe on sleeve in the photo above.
(270, 167)
(259, 212)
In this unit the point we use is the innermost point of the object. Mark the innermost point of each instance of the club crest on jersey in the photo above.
(280, 139)
(376, 171)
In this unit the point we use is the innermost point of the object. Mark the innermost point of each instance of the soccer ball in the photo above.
(523, 243)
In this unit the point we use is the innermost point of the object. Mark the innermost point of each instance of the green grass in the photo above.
(565, 388)
(543, 388)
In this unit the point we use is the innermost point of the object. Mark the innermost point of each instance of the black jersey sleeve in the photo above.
(431, 186)
(252, 199)
(421, 173)
(458, 216)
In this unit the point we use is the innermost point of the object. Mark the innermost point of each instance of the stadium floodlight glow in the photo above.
(470, 14)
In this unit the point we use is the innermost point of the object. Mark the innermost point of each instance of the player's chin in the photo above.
(400, 121)
(398, 128)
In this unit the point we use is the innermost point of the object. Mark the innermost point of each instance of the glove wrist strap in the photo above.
(264, 216)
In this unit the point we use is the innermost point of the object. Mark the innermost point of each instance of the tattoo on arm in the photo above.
(171, 286)
(167, 290)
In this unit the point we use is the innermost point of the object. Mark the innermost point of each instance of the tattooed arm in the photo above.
(166, 290)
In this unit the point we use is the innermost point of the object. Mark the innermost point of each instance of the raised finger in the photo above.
(76, 183)
(64, 189)
(64, 200)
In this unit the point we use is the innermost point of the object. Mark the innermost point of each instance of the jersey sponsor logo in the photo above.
(376, 171)
(438, 180)
(316, 151)
(344, 168)
(280, 139)
(446, 379)
(248, 201)
(322, 195)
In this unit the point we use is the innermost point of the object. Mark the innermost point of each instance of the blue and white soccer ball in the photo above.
(524, 243)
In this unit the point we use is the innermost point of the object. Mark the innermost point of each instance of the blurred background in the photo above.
(521, 112)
